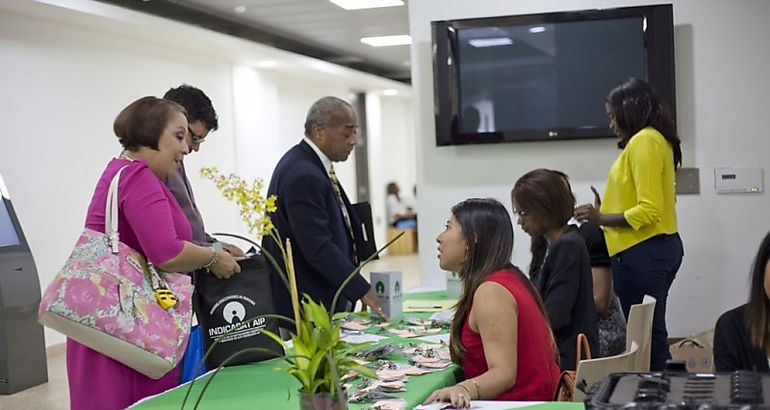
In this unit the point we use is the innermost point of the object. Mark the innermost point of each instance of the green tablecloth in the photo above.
(553, 405)
(260, 386)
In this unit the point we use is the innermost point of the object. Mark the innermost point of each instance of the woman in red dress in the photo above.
(500, 334)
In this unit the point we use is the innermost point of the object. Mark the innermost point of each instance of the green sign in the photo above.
(379, 287)
(398, 288)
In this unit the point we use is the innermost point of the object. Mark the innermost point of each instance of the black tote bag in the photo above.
(224, 305)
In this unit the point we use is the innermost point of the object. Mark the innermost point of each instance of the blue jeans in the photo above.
(193, 356)
(649, 268)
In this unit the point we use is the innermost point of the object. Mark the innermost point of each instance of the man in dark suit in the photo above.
(314, 212)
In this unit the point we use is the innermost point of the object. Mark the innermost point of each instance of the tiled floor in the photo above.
(54, 395)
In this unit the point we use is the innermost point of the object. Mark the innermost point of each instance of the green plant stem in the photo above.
(336, 379)
(358, 269)
(222, 365)
(279, 241)
(216, 342)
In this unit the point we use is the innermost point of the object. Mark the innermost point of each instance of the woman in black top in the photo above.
(742, 335)
(544, 205)
(610, 319)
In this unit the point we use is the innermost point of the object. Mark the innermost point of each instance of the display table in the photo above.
(511, 405)
(261, 386)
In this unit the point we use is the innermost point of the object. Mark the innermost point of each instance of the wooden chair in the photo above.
(405, 245)
(594, 370)
(639, 331)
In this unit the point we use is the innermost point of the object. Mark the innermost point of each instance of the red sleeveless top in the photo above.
(536, 370)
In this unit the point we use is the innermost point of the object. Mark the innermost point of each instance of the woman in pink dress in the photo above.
(152, 133)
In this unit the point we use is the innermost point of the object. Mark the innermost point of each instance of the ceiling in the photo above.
(316, 28)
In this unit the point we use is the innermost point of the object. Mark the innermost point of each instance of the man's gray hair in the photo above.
(321, 112)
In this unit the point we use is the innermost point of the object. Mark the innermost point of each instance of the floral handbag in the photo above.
(107, 297)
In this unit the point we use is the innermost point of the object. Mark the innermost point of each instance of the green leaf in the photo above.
(340, 316)
(315, 362)
(303, 378)
(275, 337)
(316, 384)
(364, 371)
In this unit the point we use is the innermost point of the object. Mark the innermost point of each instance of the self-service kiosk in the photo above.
(22, 344)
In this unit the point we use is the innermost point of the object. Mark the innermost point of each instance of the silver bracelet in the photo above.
(212, 262)
(470, 395)
(478, 389)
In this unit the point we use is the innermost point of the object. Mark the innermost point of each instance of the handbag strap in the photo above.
(111, 212)
(111, 226)
(582, 341)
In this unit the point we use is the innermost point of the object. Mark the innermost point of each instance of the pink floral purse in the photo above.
(107, 297)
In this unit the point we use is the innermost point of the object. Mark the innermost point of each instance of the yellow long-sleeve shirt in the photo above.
(641, 185)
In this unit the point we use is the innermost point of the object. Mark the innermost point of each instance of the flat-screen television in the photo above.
(545, 76)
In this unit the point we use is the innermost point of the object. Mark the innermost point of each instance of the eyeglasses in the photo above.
(197, 139)
(520, 213)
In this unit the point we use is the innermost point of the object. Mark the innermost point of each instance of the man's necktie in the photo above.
(345, 216)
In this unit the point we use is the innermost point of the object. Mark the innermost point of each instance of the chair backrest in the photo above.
(639, 331)
(594, 370)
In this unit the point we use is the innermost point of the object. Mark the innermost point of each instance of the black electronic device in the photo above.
(668, 391)
(22, 342)
(545, 76)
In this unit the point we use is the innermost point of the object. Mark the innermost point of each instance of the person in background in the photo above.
(499, 334)
(544, 205)
(471, 119)
(742, 335)
(315, 214)
(638, 211)
(399, 214)
(201, 119)
(152, 132)
(612, 323)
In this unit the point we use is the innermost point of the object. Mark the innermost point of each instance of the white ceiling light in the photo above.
(390, 92)
(266, 64)
(366, 4)
(490, 42)
(239, 9)
(537, 29)
(385, 41)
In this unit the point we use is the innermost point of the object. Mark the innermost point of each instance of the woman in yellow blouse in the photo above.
(638, 211)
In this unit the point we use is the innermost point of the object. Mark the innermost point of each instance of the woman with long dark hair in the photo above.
(500, 330)
(742, 335)
(638, 211)
(544, 204)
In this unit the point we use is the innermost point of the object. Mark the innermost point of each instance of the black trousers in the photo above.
(649, 268)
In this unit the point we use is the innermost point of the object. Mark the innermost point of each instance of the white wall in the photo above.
(391, 153)
(722, 88)
(65, 73)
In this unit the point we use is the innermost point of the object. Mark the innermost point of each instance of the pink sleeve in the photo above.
(146, 208)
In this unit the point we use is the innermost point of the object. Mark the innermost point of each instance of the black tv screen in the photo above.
(544, 76)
